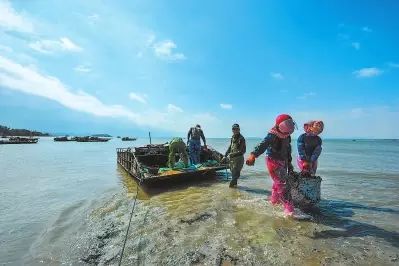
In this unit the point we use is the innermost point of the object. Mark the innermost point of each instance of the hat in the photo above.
(281, 118)
(235, 126)
(197, 125)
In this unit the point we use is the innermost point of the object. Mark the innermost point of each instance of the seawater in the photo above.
(61, 202)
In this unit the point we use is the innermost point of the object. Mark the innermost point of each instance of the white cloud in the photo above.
(356, 45)
(277, 76)
(93, 18)
(150, 39)
(366, 29)
(226, 106)
(367, 72)
(83, 68)
(365, 122)
(52, 46)
(28, 80)
(174, 109)
(306, 96)
(142, 98)
(5, 48)
(357, 112)
(164, 50)
(393, 65)
(11, 20)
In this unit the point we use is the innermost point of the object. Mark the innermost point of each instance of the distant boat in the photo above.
(19, 140)
(128, 139)
(91, 139)
(63, 139)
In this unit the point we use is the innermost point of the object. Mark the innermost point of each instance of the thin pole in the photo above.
(149, 135)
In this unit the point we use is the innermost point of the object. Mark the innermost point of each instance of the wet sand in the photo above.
(211, 224)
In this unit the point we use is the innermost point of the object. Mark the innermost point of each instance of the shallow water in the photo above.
(69, 203)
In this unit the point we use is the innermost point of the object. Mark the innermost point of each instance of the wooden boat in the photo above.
(91, 139)
(128, 139)
(63, 139)
(148, 164)
(19, 140)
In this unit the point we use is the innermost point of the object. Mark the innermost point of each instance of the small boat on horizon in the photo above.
(64, 139)
(20, 140)
(128, 139)
(91, 139)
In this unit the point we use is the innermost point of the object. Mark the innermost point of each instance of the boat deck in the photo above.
(145, 164)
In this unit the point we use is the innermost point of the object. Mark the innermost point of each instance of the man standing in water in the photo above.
(235, 154)
(194, 136)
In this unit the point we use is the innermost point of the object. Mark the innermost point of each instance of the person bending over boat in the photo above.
(309, 147)
(177, 145)
(277, 145)
(194, 136)
(235, 154)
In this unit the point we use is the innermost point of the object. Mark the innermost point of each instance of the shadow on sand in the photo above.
(335, 213)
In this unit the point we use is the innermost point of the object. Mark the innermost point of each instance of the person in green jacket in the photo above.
(235, 154)
(177, 145)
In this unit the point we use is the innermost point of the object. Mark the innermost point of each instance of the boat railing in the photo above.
(128, 161)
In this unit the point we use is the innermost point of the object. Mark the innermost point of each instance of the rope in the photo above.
(128, 227)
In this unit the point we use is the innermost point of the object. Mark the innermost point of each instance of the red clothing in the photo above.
(280, 190)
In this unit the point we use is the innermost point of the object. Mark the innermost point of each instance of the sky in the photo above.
(129, 67)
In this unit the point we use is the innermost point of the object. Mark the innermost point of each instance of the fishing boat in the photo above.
(63, 139)
(128, 139)
(148, 164)
(91, 139)
(19, 140)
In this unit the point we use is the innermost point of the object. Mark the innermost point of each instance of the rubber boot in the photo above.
(233, 183)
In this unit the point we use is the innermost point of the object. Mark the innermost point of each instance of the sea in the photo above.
(69, 203)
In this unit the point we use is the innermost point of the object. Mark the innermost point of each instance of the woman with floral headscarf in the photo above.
(277, 145)
(309, 147)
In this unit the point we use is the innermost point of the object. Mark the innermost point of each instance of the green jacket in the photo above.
(237, 146)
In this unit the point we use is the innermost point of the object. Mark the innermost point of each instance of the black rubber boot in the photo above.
(233, 183)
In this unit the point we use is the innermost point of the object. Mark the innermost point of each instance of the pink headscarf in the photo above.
(284, 127)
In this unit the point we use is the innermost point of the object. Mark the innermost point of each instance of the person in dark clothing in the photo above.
(194, 136)
(277, 145)
(309, 147)
(235, 154)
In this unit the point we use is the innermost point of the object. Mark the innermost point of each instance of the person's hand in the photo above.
(250, 160)
(307, 166)
(223, 159)
(205, 147)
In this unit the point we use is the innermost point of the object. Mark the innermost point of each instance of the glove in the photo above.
(290, 168)
(307, 166)
(250, 160)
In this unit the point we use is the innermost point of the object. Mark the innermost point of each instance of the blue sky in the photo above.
(127, 67)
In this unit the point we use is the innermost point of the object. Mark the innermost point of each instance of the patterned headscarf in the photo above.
(314, 127)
